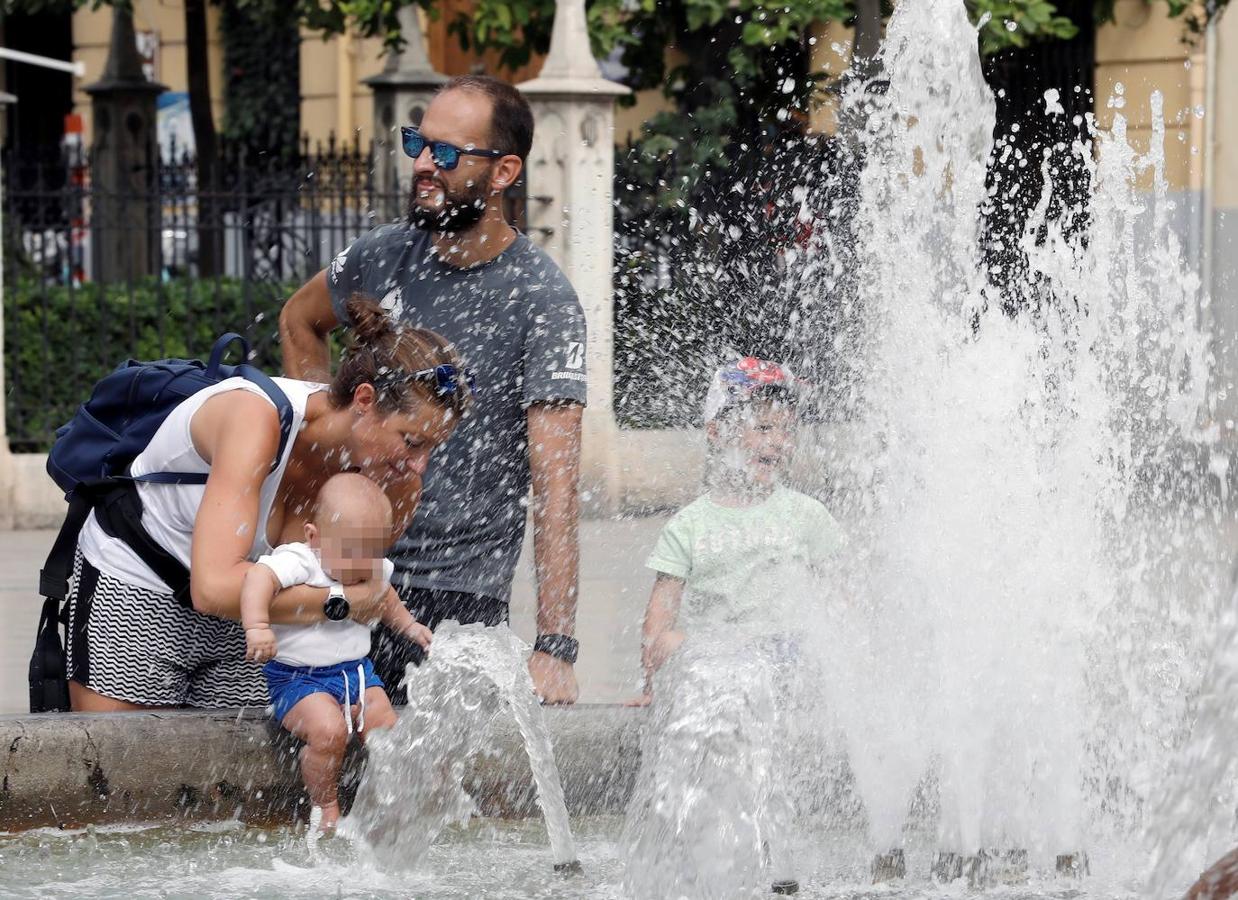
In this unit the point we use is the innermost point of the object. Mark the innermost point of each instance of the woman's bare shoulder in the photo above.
(240, 417)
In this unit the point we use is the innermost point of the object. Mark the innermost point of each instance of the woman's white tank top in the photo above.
(169, 510)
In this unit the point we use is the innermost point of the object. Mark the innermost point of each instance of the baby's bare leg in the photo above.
(319, 721)
(378, 711)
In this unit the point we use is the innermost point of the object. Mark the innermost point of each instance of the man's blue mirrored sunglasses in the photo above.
(446, 156)
(447, 379)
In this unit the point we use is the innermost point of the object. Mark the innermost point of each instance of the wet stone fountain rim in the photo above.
(69, 770)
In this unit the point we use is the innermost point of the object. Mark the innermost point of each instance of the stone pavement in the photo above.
(614, 587)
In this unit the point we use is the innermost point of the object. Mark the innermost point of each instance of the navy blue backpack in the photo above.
(90, 460)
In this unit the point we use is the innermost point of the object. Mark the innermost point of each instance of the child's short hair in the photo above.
(748, 380)
(352, 495)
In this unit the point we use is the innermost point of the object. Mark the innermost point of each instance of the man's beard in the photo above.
(460, 211)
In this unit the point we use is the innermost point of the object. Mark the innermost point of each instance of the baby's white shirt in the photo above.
(325, 643)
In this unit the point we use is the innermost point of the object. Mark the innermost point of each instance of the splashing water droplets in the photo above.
(413, 788)
(1026, 485)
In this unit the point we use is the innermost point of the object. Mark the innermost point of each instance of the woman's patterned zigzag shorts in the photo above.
(133, 644)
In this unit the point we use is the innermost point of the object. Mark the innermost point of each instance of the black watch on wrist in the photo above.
(560, 646)
(336, 607)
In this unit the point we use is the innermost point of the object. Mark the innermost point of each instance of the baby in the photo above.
(318, 675)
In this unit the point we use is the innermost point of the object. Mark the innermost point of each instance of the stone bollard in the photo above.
(1073, 865)
(125, 219)
(570, 177)
(402, 91)
(982, 870)
(890, 866)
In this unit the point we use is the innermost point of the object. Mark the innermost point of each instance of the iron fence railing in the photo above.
(94, 275)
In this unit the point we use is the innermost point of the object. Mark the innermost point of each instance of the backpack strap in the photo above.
(253, 375)
(48, 673)
(283, 405)
(118, 510)
(119, 514)
(222, 343)
(168, 477)
(54, 576)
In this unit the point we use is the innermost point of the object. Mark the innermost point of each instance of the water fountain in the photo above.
(1011, 658)
(1037, 534)
(1003, 682)
(710, 817)
(416, 770)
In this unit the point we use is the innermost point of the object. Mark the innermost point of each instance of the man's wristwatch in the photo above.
(336, 607)
(560, 646)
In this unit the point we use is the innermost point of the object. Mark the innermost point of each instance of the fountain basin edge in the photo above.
(69, 770)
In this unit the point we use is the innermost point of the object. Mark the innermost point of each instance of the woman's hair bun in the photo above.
(393, 357)
(370, 321)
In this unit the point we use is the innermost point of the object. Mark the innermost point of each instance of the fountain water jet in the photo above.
(709, 817)
(413, 785)
(1032, 527)
(1011, 650)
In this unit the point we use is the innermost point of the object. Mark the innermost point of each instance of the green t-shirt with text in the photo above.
(738, 562)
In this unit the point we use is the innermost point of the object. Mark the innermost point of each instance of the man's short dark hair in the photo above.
(511, 122)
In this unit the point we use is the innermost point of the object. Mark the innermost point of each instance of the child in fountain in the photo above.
(718, 561)
(321, 683)
(729, 576)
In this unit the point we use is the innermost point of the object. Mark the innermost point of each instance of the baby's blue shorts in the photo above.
(289, 685)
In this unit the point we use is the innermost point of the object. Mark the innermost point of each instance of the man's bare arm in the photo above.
(554, 462)
(304, 323)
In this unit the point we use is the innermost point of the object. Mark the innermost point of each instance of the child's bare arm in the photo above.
(658, 636)
(258, 589)
(396, 617)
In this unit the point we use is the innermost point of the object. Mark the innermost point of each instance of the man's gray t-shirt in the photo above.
(517, 322)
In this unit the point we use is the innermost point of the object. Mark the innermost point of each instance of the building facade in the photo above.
(334, 97)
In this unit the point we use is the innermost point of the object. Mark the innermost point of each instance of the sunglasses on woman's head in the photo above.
(447, 379)
(446, 156)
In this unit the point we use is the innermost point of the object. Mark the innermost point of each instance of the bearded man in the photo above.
(456, 266)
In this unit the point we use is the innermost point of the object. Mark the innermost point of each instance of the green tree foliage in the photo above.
(747, 79)
(262, 77)
(261, 55)
(1017, 23)
(59, 340)
(1195, 14)
(736, 81)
